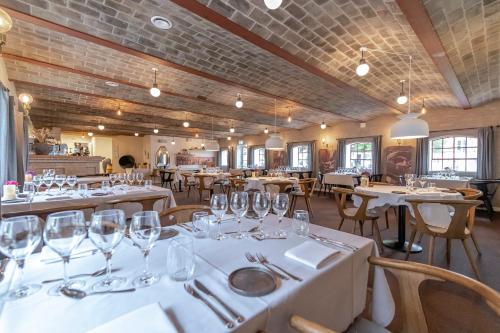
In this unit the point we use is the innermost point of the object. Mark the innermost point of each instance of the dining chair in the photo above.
(376, 177)
(357, 214)
(306, 191)
(283, 186)
(422, 290)
(181, 214)
(459, 228)
(189, 183)
(235, 184)
(167, 178)
(471, 194)
(205, 183)
(146, 203)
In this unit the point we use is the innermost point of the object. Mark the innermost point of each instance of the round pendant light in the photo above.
(196, 135)
(136, 134)
(402, 99)
(275, 141)
(410, 127)
(155, 91)
(266, 130)
(363, 67)
(90, 134)
(424, 109)
(100, 127)
(229, 138)
(232, 129)
(155, 131)
(172, 142)
(273, 4)
(239, 102)
(186, 122)
(289, 119)
(322, 126)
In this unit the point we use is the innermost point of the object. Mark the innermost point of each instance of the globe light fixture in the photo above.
(239, 102)
(186, 122)
(136, 134)
(424, 109)
(402, 99)
(90, 134)
(289, 119)
(273, 4)
(119, 111)
(363, 67)
(100, 127)
(322, 126)
(196, 135)
(26, 100)
(231, 129)
(173, 141)
(275, 141)
(155, 131)
(229, 138)
(266, 130)
(155, 91)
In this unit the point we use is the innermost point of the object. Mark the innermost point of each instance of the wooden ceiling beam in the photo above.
(417, 16)
(160, 61)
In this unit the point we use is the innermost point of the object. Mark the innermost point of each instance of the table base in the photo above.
(396, 245)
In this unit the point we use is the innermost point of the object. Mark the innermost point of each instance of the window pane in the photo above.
(459, 165)
(460, 152)
(437, 143)
(436, 165)
(447, 153)
(460, 142)
(471, 142)
(471, 152)
(448, 164)
(471, 165)
(448, 143)
(437, 153)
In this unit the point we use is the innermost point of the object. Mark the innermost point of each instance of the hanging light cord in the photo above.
(275, 116)
(409, 87)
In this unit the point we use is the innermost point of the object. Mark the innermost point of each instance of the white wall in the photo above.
(180, 143)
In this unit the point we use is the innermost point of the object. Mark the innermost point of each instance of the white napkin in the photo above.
(84, 246)
(150, 318)
(311, 253)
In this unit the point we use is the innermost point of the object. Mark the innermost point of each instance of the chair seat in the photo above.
(438, 230)
(352, 211)
(191, 184)
(362, 325)
(297, 193)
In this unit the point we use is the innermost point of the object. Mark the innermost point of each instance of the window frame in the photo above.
(262, 154)
(301, 156)
(348, 154)
(241, 156)
(222, 151)
(454, 150)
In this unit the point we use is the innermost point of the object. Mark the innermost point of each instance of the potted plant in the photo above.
(40, 146)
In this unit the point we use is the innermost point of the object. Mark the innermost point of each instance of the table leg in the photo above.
(400, 244)
(180, 186)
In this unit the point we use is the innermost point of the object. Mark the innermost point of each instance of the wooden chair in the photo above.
(386, 213)
(283, 186)
(411, 278)
(472, 194)
(376, 177)
(146, 203)
(203, 186)
(167, 178)
(188, 184)
(359, 214)
(235, 184)
(181, 214)
(458, 228)
(306, 191)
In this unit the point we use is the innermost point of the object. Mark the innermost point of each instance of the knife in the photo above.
(354, 248)
(239, 318)
(191, 291)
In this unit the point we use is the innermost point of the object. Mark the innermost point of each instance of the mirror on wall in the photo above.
(162, 157)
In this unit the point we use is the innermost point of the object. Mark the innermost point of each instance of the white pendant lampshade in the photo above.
(410, 127)
(212, 146)
(275, 142)
(273, 4)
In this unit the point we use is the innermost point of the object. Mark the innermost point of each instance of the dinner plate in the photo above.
(252, 281)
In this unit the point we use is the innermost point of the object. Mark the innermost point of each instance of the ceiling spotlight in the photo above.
(273, 4)
(186, 122)
(119, 111)
(322, 126)
(173, 141)
(402, 99)
(266, 130)
(136, 134)
(196, 135)
(423, 110)
(363, 67)
(362, 125)
(111, 84)
(155, 131)
(239, 102)
(155, 91)
(100, 127)
(289, 119)
(228, 138)
(161, 22)
(90, 134)
(231, 129)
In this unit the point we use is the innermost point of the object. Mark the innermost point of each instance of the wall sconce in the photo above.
(26, 100)
(323, 142)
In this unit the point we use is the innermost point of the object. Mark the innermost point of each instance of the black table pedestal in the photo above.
(401, 244)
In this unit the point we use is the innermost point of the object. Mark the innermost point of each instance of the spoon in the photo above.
(249, 231)
(97, 273)
(79, 294)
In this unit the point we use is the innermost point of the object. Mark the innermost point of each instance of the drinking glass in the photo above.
(218, 206)
(139, 177)
(201, 224)
(60, 180)
(121, 178)
(131, 178)
(38, 182)
(19, 237)
(48, 181)
(72, 180)
(239, 206)
(113, 177)
(144, 231)
(105, 186)
(180, 258)
(300, 222)
(422, 182)
(280, 207)
(63, 232)
(83, 189)
(106, 231)
(148, 183)
(261, 206)
(29, 190)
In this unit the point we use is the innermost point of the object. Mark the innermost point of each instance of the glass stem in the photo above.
(20, 266)
(261, 222)
(219, 226)
(108, 265)
(146, 261)
(65, 266)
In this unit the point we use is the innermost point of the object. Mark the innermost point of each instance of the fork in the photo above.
(254, 260)
(263, 260)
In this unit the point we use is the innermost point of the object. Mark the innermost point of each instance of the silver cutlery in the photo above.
(263, 260)
(333, 242)
(191, 291)
(79, 294)
(254, 260)
(185, 227)
(261, 238)
(97, 273)
(78, 255)
(3, 265)
(254, 229)
(239, 318)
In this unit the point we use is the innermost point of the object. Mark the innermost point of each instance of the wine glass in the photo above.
(261, 206)
(64, 231)
(422, 182)
(131, 178)
(19, 237)
(218, 206)
(280, 207)
(139, 177)
(38, 182)
(120, 178)
(48, 181)
(60, 180)
(144, 231)
(113, 177)
(106, 231)
(29, 190)
(83, 189)
(239, 206)
(72, 180)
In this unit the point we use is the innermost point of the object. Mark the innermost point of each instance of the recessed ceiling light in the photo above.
(161, 22)
(112, 84)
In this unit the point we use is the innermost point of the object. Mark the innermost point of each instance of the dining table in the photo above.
(448, 182)
(334, 178)
(396, 196)
(258, 183)
(332, 295)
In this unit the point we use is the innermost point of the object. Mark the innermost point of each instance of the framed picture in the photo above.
(326, 160)
(398, 162)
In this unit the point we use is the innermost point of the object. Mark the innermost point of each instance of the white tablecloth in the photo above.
(257, 183)
(449, 183)
(338, 179)
(93, 179)
(333, 295)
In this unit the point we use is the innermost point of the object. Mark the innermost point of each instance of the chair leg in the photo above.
(361, 227)
(386, 219)
(431, 249)
(448, 251)
(377, 236)
(410, 243)
(354, 227)
(420, 238)
(309, 207)
(471, 260)
(340, 225)
(476, 244)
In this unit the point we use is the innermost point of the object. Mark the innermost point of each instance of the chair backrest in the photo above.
(205, 181)
(181, 214)
(167, 176)
(146, 203)
(470, 193)
(282, 185)
(341, 194)
(411, 274)
(43, 213)
(308, 186)
(459, 220)
(376, 177)
(237, 184)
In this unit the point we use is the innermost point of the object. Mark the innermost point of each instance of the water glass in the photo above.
(106, 231)
(83, 190)
(38, 182)
(105, 187)
(60, 180)
(139, 177)
(48, 182)
(63, 233)
(201, 224)
(261, 206)
(131, 178)
(300, 222)
(19, 237)
(280, 207)
(239, 206)
(180, 258)
(29, 190)
(144, 231)
(113, 178)
(148, 184)
(72, 180)
(218, 206)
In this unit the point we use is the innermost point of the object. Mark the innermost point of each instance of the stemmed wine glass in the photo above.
(60, 180)
(64, 231)
(19, 237)
(120, 178)
(139, 177)
(239, 206)
(261, 206)
(106, 231)
(72, 180)
(113, 177)
(48, 180)
(422, 182)
(218, 206)
(131, 178)
(280, 207)
(144, 231)
(38, 182)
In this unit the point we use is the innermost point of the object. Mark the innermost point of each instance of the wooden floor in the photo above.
(487, 233)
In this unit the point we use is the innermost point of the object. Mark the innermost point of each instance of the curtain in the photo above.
(341, 153)
(486, 153)
(377, 154)
(8, 157)
(289, 147)
(25, 151)
(422, 157)
(314, 161)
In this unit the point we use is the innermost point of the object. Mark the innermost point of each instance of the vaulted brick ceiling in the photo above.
(202, 65)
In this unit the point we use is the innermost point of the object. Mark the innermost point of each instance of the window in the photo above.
(224, 157)
(359, 155)
(241, 156)
(301, 156)
(259, 157)
(459, 153)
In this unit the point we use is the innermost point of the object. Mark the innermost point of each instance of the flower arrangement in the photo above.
(41, 135)
(11, 182)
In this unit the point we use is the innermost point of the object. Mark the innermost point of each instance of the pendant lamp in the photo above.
(275, 141)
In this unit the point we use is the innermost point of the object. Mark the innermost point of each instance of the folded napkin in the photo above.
(150, 318)
(85, 246)
(311, 253)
